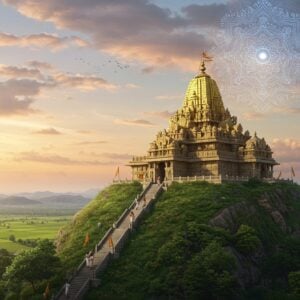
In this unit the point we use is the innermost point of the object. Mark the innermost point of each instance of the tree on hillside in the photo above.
(210, 274)
(246, 240)
(5, 260)
(34, 265)
(12, 238)
(294, 283)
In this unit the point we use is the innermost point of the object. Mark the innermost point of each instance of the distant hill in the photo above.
(37, 195)
(201, 241)
(18, 201)
(42, 203)
(91, 193)
(65, 199)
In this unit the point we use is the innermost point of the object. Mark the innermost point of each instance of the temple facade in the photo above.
(204, 139)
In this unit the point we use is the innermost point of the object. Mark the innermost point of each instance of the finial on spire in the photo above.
(203, 68)
(205, 58)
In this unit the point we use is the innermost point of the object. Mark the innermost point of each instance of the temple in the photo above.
(204, 140)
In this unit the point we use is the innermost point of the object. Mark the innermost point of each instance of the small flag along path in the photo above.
(109, 247)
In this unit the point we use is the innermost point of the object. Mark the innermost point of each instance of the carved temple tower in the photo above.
(203, 139)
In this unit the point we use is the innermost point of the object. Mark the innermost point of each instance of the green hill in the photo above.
(206, 241)
(200, 241)
(104, 209)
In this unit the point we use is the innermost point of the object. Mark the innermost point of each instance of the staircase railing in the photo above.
(119, 245)
(104, 238)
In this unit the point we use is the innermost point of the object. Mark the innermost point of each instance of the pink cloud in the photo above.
(19, 72)
(253, 115)
(160, 114)
(287, 153)
(135, 122)
(83, 82)
(48, 131)
(42, 40)
(129, 29)
(17, 96)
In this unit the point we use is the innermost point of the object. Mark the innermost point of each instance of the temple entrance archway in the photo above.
(161, 172)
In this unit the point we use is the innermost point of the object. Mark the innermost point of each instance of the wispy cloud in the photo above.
(168, 97)
(39, 65)
(48, 131)
(252, 115)
(19, 72)
(154, 35)
(86, 143)
(42, 40)
(138, 122)
(286, 150)
(20, 91)
(82, 82)
(132, 86)
(140, 30)
(117, 156)
(17, 96)
(84, 131)
(160, 114)
(287, 153)
(287, 110)
(57, 159)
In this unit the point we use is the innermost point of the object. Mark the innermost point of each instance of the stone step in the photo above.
(88, 273)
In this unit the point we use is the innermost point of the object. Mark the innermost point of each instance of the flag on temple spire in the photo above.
(206, 57)
(86, 240)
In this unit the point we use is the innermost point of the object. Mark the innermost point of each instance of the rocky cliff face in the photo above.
(277, 205)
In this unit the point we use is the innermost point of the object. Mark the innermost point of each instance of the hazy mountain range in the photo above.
(45, 200)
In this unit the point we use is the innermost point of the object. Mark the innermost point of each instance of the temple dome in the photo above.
(256, 143)
(203, 94)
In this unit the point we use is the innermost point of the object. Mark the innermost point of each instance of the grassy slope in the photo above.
(106, 209)
(184, 206)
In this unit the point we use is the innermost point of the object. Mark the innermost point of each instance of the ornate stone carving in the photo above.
(204, 139)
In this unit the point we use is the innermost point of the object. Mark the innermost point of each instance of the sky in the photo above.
(87, 84)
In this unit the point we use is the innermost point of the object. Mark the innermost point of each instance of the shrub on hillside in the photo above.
(209, 274)
(294, 283)
(247, 241)
(12, 238)
(34, 265)
(5, 260)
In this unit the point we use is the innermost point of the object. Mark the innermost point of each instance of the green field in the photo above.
(28, 227)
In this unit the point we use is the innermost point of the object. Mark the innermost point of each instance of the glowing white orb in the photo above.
(263, 55)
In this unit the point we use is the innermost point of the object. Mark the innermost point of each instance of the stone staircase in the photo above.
(86, 277)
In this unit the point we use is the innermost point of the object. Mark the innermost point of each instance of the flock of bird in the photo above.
(117, 65)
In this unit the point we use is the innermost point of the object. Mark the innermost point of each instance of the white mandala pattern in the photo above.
(258, 49)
